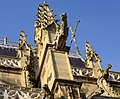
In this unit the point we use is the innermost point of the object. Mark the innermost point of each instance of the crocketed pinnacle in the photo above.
(44, 16)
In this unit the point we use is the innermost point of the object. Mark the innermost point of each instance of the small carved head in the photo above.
(22, 33)
(109, 66)
(63, 16)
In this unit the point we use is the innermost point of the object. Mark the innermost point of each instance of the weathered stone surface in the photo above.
(49, 68)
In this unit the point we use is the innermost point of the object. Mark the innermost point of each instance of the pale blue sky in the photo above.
(100, 23)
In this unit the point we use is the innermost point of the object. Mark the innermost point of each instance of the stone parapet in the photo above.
(17, 92)
(86, 72)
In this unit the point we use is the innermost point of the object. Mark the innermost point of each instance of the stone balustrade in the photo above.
(8, 46)
(11, 62)
(16, 92)
(82, 72)
(113, 76)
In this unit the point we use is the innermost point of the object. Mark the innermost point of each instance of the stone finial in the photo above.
(45, 3)
(22, 36)
(5, 40)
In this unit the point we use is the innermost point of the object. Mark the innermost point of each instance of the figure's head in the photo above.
(109, 66)
(63, 16)
(22, 33)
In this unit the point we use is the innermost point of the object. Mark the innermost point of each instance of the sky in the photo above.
(100, 24)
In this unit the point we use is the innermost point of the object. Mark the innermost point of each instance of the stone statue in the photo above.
(22, 40)
(26, 56)
(61, 33)
(64, 28)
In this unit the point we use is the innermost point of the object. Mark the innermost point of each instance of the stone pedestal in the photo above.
(55, 65)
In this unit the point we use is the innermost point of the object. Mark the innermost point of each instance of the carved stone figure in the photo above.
(104, 86)
(62, 33)
(25, 53)
(22, 45)
(105, 73)
(64, 28)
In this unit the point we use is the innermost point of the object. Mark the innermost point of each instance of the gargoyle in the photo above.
(105, 73)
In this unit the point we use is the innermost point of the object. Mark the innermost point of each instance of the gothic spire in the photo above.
(44, 16)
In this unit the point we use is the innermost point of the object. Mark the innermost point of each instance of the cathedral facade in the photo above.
(48, 70)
